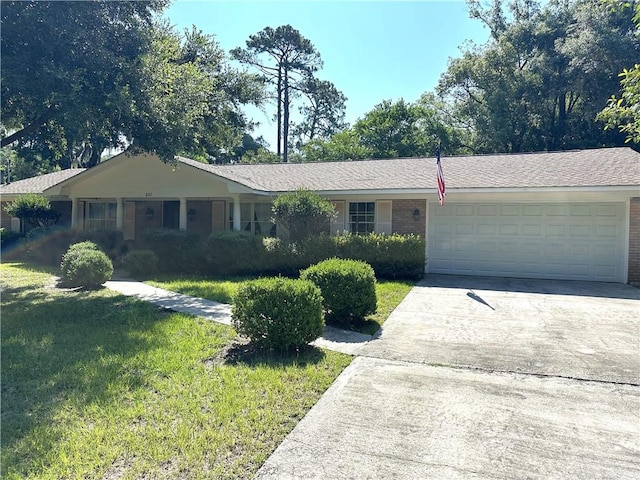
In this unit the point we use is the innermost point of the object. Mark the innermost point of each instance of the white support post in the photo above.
(120, 214)
(74, 212)
(237, 221)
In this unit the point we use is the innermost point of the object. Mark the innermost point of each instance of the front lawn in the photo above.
(389, 292)
(98, 385)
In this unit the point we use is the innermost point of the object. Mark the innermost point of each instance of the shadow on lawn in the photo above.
(242, 352)
(64, 350)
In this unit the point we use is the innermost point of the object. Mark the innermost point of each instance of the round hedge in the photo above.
(348, 288)
(278, 313)
(85, 266)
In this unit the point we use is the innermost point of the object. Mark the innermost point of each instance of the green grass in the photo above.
(389, 293)
(98, 385)
(211, 289)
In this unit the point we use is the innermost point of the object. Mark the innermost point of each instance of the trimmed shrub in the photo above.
(234, 253)
(391, 256)
(348, 288)
(178, 251)
(278, 313)
(140, 262)
(303, 213)
(85, 266)
(72, 253)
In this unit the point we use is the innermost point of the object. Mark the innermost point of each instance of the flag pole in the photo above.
(442, 191)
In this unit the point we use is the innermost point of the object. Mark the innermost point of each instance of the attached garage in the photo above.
(572, 241)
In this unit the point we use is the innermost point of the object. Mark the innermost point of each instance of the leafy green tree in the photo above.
(285, 58)
(69, 70)
(303, 213)
(33, 209)
(323, 115)
(78, 77)
(402, 129)
(622, 111)
(341, 146)
(540, 80)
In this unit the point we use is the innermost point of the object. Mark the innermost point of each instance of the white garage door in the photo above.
(581, 241)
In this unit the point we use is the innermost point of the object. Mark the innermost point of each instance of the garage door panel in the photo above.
(563, 241)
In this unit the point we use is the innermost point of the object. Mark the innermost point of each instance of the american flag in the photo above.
(441, 187)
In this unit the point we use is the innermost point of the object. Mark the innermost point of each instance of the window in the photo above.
(101, 216)
(171, 214)
(255, 218)
(362, 217)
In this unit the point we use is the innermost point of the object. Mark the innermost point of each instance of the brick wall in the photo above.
(634, 241)
(403, 221)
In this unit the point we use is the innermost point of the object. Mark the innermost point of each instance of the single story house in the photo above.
(560, 215)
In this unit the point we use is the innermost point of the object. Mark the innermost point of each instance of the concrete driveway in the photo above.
(484, 378)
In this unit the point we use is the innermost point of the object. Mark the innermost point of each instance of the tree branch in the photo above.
(31, 128)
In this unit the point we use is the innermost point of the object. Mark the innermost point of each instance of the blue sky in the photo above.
(372, 50)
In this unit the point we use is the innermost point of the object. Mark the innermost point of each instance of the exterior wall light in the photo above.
(191, 214)
(149, 213)
(416, 214)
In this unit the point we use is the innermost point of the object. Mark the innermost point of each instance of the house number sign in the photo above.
(148, 194)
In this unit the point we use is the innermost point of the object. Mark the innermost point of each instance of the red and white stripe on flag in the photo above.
(441, 187)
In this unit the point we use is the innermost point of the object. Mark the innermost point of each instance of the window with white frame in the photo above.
(362, 217)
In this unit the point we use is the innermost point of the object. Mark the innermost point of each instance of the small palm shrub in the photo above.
(348, 288)
(140, 262)
(83, 265)
(278, 313)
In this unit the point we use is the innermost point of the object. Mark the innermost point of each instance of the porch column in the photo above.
(74, 212)
(183, 214)
(237, 221)
(120, 214)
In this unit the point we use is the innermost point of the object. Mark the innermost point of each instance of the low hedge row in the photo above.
(233, 253)
(237, 253)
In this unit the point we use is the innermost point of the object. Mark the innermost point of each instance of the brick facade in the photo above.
(634, 241)
(403, 220)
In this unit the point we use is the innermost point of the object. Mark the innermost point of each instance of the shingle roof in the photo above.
(605, 167)
(577, 168)
(40, 183)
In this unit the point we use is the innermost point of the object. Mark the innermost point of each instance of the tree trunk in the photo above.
(285, 147)
(279, 114)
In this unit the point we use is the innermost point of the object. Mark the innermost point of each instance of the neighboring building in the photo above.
(565, 215)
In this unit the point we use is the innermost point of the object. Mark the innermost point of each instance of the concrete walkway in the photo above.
(334, 339)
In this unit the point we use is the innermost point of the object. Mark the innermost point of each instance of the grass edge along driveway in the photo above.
(98, 385)
(389, 294)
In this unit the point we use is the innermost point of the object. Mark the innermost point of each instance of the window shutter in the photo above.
(338, 223)
(218, 220)
(129, 225)
(383, 216)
